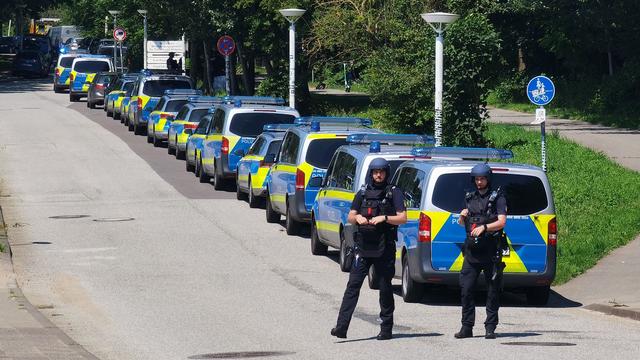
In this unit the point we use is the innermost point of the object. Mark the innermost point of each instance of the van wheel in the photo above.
(189, 167)
(344, 267)
(218, 180)
(317, 247)
(203, 176)
(292, 226)
(272, 216)
(239, 194)
(137, 129)
(412, 291)
(73, 98)
(170, 150)
(180, 155)
(254, 201)
(91, 105)
(56, 89)
(538, 295)
(156, 142)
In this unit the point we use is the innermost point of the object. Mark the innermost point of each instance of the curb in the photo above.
(615, 311)
(6, 260)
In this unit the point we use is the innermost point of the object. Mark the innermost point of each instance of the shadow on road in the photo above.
(24, 85)
(395, 336)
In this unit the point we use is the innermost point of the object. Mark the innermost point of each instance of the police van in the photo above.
(430, 243)
(305, 154)
(83, 70)
(115, 94)
(253, 168)
(168, 106)
(346, 175)
(62, 72)
(233, 129)
(184, 124)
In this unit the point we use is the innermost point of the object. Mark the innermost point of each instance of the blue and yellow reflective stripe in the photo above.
(327, 226)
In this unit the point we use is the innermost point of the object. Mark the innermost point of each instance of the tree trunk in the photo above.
(248, 69)
(207, 64)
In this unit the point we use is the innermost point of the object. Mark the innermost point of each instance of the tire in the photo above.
(538, 296)
(115, 116)
(292, 226)
(180, 155)
(203, 176)
(190, 167)
(196, 167)
(171, 150)
(272, 216)
(156, 142)
(411, 291)
(317, 247)
(137, 129)
(73, 98)
(239, 194)
(254, 201)
(56, 89)
(343, 254)
(91, 105)
(218, 181)
(373, 279)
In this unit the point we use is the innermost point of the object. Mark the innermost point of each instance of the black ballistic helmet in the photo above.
(378, 164)
(481, 170)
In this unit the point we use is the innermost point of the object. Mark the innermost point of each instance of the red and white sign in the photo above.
(119, 34)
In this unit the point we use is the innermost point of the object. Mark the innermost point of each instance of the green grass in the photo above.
(597, 201)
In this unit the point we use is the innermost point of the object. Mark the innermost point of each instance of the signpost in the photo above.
(119, 35)
(226, 46)
(541, 91)
(158, 53)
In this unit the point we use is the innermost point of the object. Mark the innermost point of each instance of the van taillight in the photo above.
(57, 71)
(553, 232)
(72, 77)
(424, 228)
(99, 86)
(139, 106)
(225, 146)
(191, 126)
(299, 179)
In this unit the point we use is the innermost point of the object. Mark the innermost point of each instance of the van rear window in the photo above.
(90, 66)
(525, 194)
(175, 105)
(66, 61)
(320, 151)
(251, 124)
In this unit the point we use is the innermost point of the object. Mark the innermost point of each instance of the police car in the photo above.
(62, 72)
(430, 243)
(185, 122)
(346, 175)
(83, 69)
(116, 92)
(253, 168)
(305, 154)
(165, 110)
(233, 129)
(146, 93)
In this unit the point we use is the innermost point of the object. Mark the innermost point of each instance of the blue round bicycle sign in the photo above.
(541, 90)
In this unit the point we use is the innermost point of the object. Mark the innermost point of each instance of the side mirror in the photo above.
(269, 159)
(238, 152)
(315, 182)
(188, 131)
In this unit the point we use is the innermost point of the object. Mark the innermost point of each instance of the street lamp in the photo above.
(292, 15)
(439, 21)
(144, 15)
(114, 13)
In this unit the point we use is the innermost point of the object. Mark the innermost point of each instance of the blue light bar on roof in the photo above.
(463, 152)
(399, 139)
(205, 99)
(256, 100)
(93, 56)
(182, 92)
(277, 127)
(333, 120)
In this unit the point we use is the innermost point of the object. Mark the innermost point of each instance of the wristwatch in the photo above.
(386, 218)
(485, 227)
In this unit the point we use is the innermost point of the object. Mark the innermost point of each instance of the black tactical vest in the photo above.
(372, 239)
(482, 211)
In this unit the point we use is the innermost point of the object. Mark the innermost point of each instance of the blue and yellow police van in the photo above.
(146, 93)
(184, 124)
(305, 154)
(253, 168)
(62, 72)
(430, 243)
(115, 94)
(233, 129)
(346, 175)
(166, 108)
(83, 70)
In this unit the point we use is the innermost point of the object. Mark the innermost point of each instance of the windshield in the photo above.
(320, 151)
(91, 66)
(128, 87)
(66, 61)
(251, 124)
(525, 194)
(175, 105)
(197, 114)
(156, 88)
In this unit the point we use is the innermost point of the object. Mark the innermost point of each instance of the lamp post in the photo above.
(438, 22)
(292, 15)
(114, 13)
(144, 45)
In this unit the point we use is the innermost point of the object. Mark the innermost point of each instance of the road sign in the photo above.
(541, 90)
(226, 45)
(541, 116)
(119, 34)
(158, 53)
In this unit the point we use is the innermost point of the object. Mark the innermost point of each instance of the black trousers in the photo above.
(468, 278)
(384, 267)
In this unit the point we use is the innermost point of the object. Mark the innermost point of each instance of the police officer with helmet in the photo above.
(376, 210)
(484, 218)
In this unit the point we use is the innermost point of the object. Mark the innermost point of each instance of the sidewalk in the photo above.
(24, 332)
(612, 286)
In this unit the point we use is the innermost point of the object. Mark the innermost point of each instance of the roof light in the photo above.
(205, 99)
(308, 120)
(237, 103)
(374, 147)
(315, 126)
(277, 127)
(399, 139)
(182, 92)
(255, 100)
(463, 152)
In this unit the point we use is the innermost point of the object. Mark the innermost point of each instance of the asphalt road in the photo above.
(191, 273)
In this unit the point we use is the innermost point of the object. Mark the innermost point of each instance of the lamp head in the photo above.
(114, 12)
(142, 12)
(292, 14)
(439, 20)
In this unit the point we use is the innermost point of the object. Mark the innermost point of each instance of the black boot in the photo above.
(384, 335)
(490, 333)
(339, 333)
(465, 332)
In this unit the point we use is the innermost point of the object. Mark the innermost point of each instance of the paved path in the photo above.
(612, 285)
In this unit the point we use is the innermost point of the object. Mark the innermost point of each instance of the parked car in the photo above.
(41, 43)
(7, 45)
(95, 94)
(62, 72)
(30, 63)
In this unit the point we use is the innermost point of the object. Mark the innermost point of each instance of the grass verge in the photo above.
(597, 201)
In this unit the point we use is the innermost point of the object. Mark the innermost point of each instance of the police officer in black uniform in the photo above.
(484, 218)
(377, 210)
